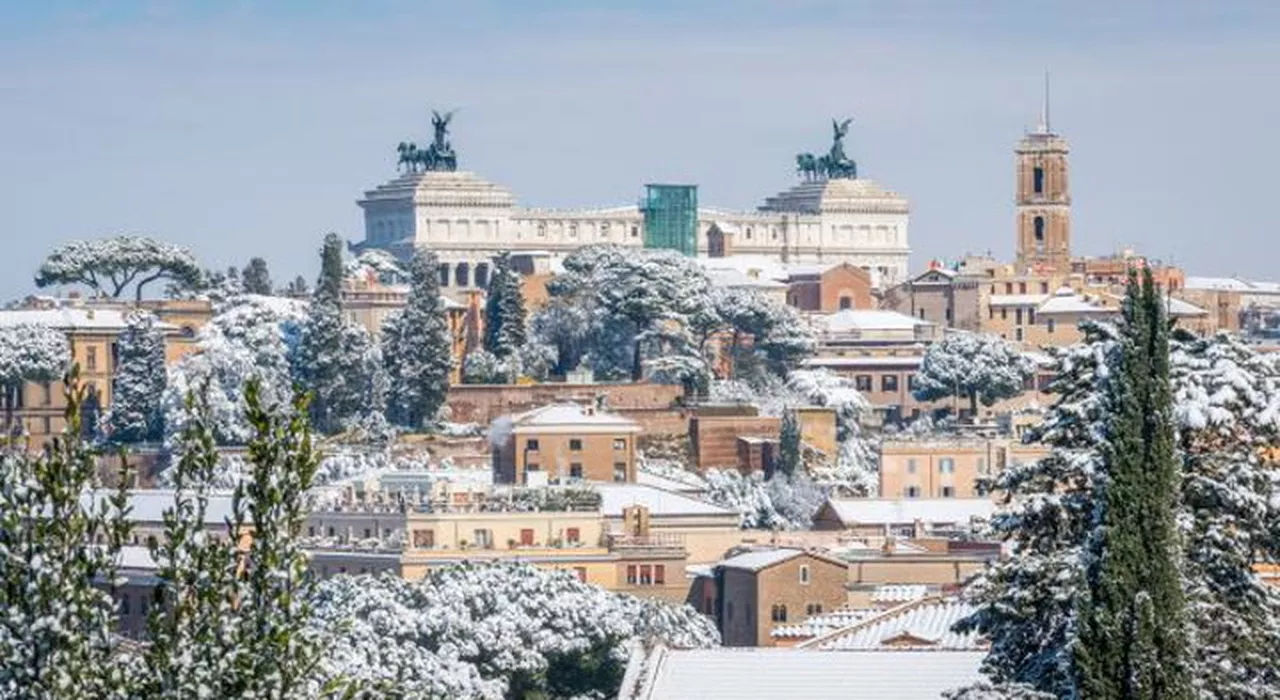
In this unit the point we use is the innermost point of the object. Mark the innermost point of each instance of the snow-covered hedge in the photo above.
(487, 632)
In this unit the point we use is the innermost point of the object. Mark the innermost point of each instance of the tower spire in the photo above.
(1044, 107)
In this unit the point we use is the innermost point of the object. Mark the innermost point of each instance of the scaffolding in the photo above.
(671, 217)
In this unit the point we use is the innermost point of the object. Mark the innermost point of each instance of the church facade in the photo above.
(467, 219)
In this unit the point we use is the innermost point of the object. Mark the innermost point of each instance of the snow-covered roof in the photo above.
(1018, 299)
(817, 625)
(760, 559)
(1066, 301)
(648, 478)
(571, 415)
(69, 318)
(899, 593)
(1178, 307)
(923, 624)
(736, 279)
(615, 497)
(1231, 284)
(870, 319)
(767, 673)
(136, 557)
(886, 511)
(875, 361)
(148, 505)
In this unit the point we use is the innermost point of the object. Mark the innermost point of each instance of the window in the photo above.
(948, 492)
(619, 443)
(444, 275)
(1008, 287)
(846, 303)
(330, 531)
(863, 382)
(1004, 314)
(911, 382)
(631, 574)
(526, 537)
(91, 358)
(991, 312)
(1022, 287)
(635, 231)
(778, 613)
(424, 539)
(311, 531)
(911, 466)
(1038, 222)
(889, 382)
(1031, 317)
(913, 492)
(659, 575)
(1017, 334)
(982, 465)
(1044, 287)
(804, 574)
(575, 444)
(581, 573)
(1049, 325)
(619, 471)
(47, 425)
(1037, 180)
(462, 274)
(947, 314)
(646, 575)
(47, 395)
(531, 445)
(1017, 316)
(813, 609)
(484, 539)
(368, 533)
(575, 470)
(572, 535)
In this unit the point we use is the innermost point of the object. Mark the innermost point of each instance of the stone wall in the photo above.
(481, 403)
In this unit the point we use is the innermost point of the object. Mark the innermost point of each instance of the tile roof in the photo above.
(899, 593)
(817, 625)
(923, 624)
(877, 511)
(763, 673)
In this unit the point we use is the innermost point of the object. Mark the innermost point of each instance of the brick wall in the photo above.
(481, 403)
(715, 438)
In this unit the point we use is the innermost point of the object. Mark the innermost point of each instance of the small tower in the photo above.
(1043, 197)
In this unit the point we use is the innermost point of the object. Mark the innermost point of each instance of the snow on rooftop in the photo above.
(764, 673)
(1231, 284)
(570, 414)
(760, 559)
(875, 361)
(648, 478)
(824, 623)
(136, 557)
(148, 505)
(870, 319)
(899, 593)
(1066, 301)
(921, 625)
(615, 497)
(1018, 299)
(885, 511)
(73, 318)
(736, 279)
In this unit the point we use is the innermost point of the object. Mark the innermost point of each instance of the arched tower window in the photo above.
(482, 275)
(1038, 223)
(1038, 180)
(444, 274)
(462, 274)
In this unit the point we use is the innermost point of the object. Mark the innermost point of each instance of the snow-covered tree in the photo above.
(492, 632)
(566, 328)
(1227, 408)
(29, 352)
(789, 445)
(1026, 604)
(422, 347)
(247, 337)
(334, 354)
(110, 265)
(379, 264)
(297, 288)
(137, 396)
(58, 557)
(975, 366)
(504, 316)
(482, 367)
(256, 279)
(786, 340)
(1132, 622)
(780, 503)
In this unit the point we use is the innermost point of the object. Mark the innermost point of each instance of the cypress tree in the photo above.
(139, 383)
(1133, 636)
(418, 354)
(504, 332)
(789, 444)
(321, 359)
(256, 279)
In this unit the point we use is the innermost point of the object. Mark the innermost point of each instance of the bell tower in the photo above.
(1043, 197)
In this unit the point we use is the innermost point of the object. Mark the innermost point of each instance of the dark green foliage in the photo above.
(1132, 620)
(789, 445)
(256, 279)
(504, 313)
(137, 414)
(417, 349)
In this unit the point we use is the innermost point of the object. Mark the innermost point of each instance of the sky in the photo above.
(245, 129)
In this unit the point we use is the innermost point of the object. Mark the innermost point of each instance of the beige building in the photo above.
(749, 594)
(564, 443)
(946, 467)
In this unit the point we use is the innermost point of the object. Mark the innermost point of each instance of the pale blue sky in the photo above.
(246, 128)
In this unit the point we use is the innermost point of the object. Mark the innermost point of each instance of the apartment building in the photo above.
(946, 466)
(565, 443)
